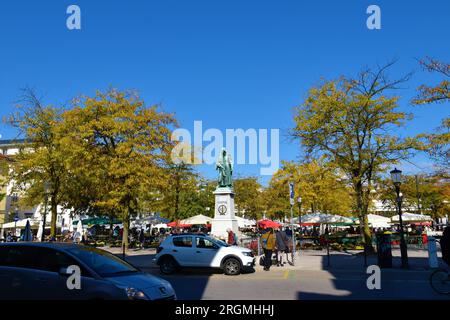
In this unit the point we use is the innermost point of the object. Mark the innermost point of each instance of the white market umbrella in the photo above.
(242, 222)
(377, 221)
(325, 218)
(198, 219)
(411, 217)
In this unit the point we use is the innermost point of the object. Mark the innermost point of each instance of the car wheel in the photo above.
(168, 265)
(232, 267)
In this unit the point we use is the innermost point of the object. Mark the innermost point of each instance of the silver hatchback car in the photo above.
(36, 271)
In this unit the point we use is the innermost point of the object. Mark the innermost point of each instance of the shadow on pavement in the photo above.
(348, 277)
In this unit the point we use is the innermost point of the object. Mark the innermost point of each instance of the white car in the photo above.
(199, 250)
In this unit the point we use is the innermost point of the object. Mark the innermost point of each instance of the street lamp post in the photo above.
(292, 202)
(299, 202)
(396, 176)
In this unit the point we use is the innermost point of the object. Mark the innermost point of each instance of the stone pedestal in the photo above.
(224, 217)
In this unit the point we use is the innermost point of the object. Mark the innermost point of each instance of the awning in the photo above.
(34, 224)
(97, 221)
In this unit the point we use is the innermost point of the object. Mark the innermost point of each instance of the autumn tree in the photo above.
(40, 161)
(424, 194)
(120, 146)
(353, 121)
(248, 197)
(178, 194)
(437, 144)
(318, 182)
(4, 169)
(275, 197)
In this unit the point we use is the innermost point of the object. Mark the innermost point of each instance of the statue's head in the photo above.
(224, 151)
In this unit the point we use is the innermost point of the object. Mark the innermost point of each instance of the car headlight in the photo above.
(247, 253)
(134, 294)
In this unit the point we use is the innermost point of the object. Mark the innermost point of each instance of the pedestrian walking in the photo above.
(268, 243)
(283, 247)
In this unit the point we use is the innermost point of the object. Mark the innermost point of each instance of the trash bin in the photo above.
(384, 250)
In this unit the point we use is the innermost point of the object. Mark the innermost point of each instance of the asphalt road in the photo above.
(313, 278)
(279, 284)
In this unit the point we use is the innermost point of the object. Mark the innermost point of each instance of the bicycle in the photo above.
(440, 280)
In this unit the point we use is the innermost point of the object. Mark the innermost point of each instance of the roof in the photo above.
(11, 142)
(59, 245)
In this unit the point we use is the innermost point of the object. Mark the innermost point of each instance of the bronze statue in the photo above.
(225, 167)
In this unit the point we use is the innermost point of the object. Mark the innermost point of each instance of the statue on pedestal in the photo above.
(224, 212)
(225, 167)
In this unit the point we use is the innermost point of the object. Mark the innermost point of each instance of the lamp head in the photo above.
(396, 176)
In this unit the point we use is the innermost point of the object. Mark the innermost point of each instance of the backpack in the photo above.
(267, 241)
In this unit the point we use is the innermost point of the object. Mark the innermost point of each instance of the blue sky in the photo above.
(229, 63)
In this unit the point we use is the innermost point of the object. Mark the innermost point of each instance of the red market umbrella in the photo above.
(309, 224)
(264, 224)
(177, 224)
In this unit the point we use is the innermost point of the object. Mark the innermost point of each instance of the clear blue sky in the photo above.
(252, 60)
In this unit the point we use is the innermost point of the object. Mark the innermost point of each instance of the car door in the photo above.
(49, 263)
(183, 250)
(205, 252)
(16, 272)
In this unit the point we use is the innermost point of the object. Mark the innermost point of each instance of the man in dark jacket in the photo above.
(281, 243)
(282, 247)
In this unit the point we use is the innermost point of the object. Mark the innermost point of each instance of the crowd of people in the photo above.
(276, 244)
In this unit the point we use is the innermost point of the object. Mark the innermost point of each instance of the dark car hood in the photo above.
(137, 280)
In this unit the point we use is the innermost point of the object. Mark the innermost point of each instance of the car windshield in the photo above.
(217, 241)
(102, 262)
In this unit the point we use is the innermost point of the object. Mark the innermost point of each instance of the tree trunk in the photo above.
(126, 226)
(363, 221)
(54, 212)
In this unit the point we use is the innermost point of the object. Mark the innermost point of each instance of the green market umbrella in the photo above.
(98, 221)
